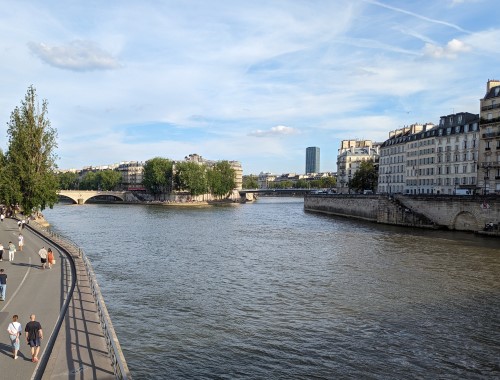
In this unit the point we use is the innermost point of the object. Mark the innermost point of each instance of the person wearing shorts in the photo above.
(15, 331)
(34, 335)
(43, 256)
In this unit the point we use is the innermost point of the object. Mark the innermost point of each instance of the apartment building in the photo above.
(350, 156)
(489, 143)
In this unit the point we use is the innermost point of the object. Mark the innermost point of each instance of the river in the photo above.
(266, 290)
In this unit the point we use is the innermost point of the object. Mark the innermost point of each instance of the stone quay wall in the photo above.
(465, 213)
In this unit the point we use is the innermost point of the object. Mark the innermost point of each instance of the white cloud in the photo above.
(279, 130)
(77, 55)
(451, 51)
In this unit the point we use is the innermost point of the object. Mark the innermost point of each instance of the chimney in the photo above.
(492, 83)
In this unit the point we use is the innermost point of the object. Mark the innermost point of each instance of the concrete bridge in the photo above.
(82, 196)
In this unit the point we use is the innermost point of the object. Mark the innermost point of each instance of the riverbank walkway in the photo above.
(80, 350)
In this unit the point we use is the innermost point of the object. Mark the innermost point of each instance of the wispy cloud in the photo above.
(421, 17)
(77, 55)
(451, 50)
(279, 130)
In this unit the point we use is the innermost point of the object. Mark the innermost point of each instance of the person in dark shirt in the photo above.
(3, 284)
(34, 335)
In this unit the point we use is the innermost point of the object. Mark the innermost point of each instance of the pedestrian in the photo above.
(15, 330)
(34, 335)
(50, 258)
(2, 216)
(23, 223)
(3, 284)
(12, 250)
(19, 225)
(1, 252)
(43, 256)
(21, 242)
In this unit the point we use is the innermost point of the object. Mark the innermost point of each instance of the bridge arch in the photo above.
(465, 221)
(82, 196)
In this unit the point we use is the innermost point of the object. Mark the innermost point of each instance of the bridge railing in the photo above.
(118, 360)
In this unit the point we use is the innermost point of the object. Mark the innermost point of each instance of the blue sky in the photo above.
(253, 81)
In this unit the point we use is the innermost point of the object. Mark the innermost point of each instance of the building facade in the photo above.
(312, 160)
(350, 156)
(489, 142)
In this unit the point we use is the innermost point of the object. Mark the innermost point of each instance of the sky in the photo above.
(253, 81)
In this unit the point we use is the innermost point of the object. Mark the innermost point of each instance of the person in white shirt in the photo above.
(15, 330)
(43, 256)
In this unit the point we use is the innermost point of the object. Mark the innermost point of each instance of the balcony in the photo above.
(484, 121)
(490, 135)
(490, 107)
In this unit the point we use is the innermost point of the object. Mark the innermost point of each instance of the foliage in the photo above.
(108, 180)
(250, 182)
(301, 184)
(192, 177)
(220, 178)
(104, 180)
(68, 181)
(157, 176)
(365, 178)
(28, 170)
(328, 182)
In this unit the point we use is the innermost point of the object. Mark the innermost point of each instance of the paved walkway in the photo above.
(80, 350)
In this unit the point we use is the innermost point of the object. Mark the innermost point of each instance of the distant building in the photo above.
(312, 160)
(132, 174)
(489, 143)
(350, 156)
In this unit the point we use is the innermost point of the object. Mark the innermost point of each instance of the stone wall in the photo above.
(454, 213)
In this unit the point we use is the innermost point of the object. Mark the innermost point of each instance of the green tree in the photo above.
(250, 182)
(328, 182)
(68, 181)
(365, 178)
(157, 176)
(30, 159)
(89, 181)
(301, 184)
(220, 178)
(108, 179)
(192, 177)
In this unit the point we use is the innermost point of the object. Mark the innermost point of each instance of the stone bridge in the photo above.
(82, 196)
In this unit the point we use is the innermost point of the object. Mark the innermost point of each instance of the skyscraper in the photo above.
(312, 160)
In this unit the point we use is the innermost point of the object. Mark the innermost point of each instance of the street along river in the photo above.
(266, 290)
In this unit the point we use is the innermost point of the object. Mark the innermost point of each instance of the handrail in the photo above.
(118, 360)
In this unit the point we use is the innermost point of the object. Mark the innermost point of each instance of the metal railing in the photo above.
(117, 358)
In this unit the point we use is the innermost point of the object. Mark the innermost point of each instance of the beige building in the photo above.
(393, 156)
(489, 143)
(132, 174)
(350, 156)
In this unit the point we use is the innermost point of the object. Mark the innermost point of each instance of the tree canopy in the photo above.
(28, 168)
(365, 178)
(192, 177)
(157, 176)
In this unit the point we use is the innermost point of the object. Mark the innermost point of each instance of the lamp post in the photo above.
(349, 184)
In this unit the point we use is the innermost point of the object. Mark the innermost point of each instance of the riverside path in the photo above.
(79, 350)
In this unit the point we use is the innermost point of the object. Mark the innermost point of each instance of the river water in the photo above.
(266, 290)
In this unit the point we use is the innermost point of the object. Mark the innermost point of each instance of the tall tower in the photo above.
(312, 160)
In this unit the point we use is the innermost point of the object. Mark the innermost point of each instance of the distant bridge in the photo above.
(82, 196)
(277, 191)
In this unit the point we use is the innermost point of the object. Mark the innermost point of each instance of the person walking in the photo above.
(19, 225)
(15, 330)
(1, 252)
(21, 241)
(12, 250)
(50, 258)
(34, 335)
(2, 216)
(3, 284)
(43, 256)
